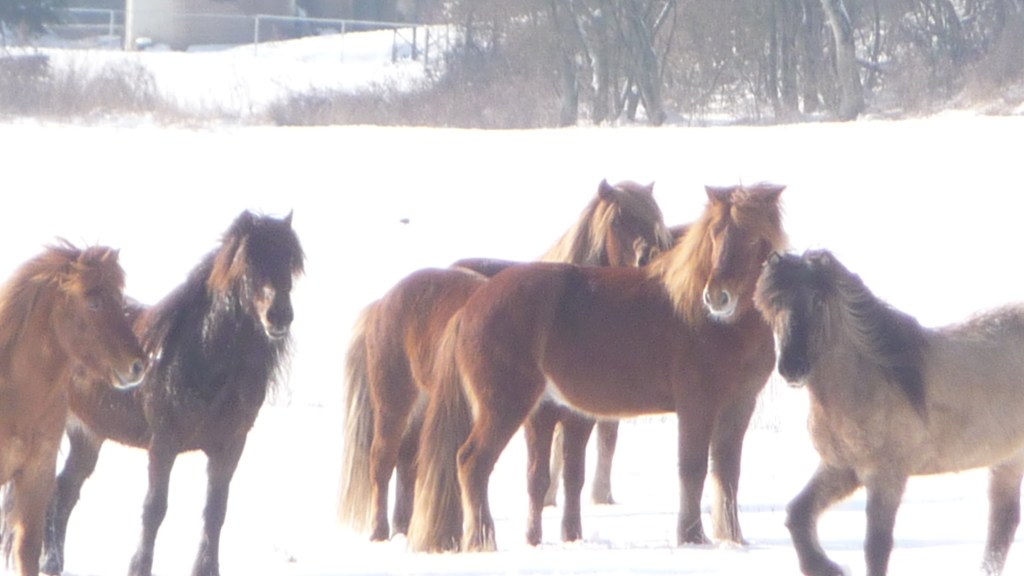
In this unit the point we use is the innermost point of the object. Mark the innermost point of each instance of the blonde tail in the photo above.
(356, 488)
(436, 524)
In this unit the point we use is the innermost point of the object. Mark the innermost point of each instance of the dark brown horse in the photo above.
(61, 313)
(218, 342)
(680, 335)
(891, 399)
(392, 346)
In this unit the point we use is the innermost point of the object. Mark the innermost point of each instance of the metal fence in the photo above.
(414, 41)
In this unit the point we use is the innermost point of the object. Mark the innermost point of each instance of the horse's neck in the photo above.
(111, 412)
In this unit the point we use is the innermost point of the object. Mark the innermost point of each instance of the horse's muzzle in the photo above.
(276, 332)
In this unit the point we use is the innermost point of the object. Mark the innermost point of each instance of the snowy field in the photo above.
(928, 211)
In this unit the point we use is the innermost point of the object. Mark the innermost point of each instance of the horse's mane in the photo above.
(890, 339)
(219, 277)
(685, 269)
(61, 266)
(584, 242)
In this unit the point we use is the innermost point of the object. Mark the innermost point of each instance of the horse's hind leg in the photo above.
(555, 467)
(607, 437)
(538, 430)
(577, 428)
(827, 486)
(78, 466)
(495, 423)
(1004, 514)
(405, 484)
(394, 396)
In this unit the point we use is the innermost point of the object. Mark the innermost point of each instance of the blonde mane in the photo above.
(686, 268)
(60, 267)
(584, 243)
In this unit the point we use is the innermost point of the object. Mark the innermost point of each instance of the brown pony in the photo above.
(219, 342)
(680, 335)
(607, 439)
(891, 399)
(391, 351)
(60, 313)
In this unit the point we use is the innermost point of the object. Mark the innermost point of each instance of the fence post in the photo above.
(256, 35)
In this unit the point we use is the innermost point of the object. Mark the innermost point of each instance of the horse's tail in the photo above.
(355, 489)
(6, 529)
(436, 523)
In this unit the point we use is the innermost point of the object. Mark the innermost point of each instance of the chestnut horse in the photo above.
(218, 343)
(680, 335)
(60, 313)
(391, 349)
(891, 399)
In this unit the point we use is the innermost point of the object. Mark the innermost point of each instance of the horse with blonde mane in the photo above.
(61, 314)
(680, 335)
(391, 351)
(891, 399)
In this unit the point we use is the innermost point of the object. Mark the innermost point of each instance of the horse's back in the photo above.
(587, 329)
(411, 317)
(975, 393)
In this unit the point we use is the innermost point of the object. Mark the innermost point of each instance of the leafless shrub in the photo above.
(80, 91)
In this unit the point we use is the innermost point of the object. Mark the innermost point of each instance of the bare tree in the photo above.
(852, 103)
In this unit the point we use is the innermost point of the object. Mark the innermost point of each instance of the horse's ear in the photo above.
(243, 224)
(606, 191)
(288, 218)
(822, 258)
(720, 194)
(771, 192)
(649, 189)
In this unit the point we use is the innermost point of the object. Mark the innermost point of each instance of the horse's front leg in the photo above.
(78, 466)
(538, 431)
(33, 487)
(726, 458)
(220, 469)
(827, 486)
(161, 460)
(607, 438)
(1004, 514)
(885, 491)
(577, 429)
(694, 440)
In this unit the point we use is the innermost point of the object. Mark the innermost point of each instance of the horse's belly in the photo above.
(607, 398)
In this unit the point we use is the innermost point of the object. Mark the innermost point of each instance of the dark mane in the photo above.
(215, 291)
(889, 338)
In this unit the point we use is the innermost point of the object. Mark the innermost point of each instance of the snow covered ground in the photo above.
(927, 211)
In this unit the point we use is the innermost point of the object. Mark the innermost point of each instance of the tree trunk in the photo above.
(570, 90)
(809, 47)
(852, 96)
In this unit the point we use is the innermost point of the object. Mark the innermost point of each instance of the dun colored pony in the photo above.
(891, 399)
(61, 313)
(391, 352)
(218, 342)
(680, 335)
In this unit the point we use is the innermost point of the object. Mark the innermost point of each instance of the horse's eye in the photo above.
(94, 303)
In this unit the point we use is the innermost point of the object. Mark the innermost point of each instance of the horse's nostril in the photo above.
(138, 367)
